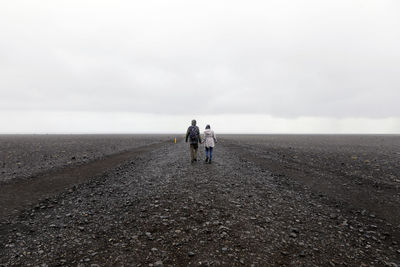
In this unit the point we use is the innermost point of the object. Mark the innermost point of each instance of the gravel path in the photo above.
(157, 209)
(24, 156)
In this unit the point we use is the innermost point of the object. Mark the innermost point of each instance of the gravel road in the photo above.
(157, 209)
(24, 156)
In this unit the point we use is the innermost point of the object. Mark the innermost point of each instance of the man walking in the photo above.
(193, 133)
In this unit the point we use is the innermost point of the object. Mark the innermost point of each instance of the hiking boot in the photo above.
(206, 159)
(209, 161)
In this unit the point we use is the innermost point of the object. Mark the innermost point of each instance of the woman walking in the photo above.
(209, 142)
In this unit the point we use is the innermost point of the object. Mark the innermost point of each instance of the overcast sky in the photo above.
(241, 66)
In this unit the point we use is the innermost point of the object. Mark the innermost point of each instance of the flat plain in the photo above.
(266, 200)
(22, 156)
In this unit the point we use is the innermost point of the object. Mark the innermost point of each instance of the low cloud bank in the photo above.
(127, 122)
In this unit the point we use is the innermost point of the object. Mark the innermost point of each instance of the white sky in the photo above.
(241, 66)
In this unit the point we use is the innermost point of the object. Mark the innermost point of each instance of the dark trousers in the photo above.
(193, 151)
(209, 152)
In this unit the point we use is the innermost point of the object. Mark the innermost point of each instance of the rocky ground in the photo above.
(22, 156)
(251, 207)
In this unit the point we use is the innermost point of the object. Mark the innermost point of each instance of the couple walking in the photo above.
(193, 134)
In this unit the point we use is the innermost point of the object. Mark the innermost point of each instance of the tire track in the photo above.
(18, 194)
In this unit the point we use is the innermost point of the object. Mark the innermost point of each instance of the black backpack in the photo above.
(193, 133)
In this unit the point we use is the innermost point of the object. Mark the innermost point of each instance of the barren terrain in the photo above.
(264, 201)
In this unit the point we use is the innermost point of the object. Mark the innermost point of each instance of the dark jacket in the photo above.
(197, 139)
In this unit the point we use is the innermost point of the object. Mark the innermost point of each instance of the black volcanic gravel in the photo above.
(361, 170)
(22, 156)
(159, 210)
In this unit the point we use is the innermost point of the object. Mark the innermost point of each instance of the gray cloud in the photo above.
(281, 58)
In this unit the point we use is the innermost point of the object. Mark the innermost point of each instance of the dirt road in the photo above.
(157, 209)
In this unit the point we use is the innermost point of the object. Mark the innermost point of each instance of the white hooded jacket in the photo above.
(209, 138)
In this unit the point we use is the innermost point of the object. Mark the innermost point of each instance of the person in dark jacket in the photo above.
(193, 134)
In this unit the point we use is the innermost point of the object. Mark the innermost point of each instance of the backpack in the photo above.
(193, 133)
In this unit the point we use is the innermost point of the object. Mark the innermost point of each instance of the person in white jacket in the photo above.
(209, 142)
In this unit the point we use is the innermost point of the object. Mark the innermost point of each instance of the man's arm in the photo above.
(198, 130)
(187, 134)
